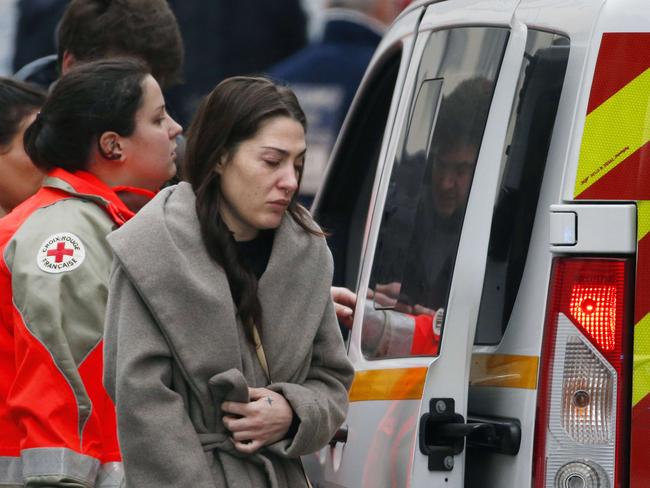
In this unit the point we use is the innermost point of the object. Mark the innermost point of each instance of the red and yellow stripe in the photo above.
(640, 441)
(614, 164)
(614, 159)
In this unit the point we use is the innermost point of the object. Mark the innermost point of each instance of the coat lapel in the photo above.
(189, 296)
(187, 292)
(293, 293)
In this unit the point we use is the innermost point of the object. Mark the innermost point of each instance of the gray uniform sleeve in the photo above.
(60, 263)
(159, 445)
(321, 401)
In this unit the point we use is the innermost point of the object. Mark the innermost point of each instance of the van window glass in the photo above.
(345, 198)
(529, 131)
(428, 191)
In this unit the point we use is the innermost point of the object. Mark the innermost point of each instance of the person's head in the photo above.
(20, 178)
(245, 152)
(459, 131)
(145, 29)
(107, 117)
(244, 159)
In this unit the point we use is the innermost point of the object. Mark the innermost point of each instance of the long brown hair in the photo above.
(231, 114)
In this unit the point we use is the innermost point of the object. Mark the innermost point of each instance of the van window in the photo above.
(530, 127)
(344, 203)
(428, 191)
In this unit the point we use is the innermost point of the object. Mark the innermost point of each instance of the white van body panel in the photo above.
(599, 229)
(576, 20)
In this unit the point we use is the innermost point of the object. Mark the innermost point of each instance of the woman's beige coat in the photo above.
(174, 351)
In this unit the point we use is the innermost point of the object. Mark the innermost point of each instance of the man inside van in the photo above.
(417, 247)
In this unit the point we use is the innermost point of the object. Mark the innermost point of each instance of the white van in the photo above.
(489, 201)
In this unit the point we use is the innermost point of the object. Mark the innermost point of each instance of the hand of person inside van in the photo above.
(258, 423)
(422, 310)
(385, 294)
(344, 302)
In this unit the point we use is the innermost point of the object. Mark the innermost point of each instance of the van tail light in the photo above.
(583, 403)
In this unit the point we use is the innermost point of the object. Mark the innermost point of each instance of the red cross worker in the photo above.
(57, 422)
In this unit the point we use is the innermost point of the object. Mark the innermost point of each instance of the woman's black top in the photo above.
(256, 253)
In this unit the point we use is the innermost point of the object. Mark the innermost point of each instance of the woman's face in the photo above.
(150, 151)
(261, 177)
(20, 178)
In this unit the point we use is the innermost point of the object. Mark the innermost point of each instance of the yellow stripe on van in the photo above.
(495, 370)
(614, 131)
(388, 384)
(641, 371)
(504, 371)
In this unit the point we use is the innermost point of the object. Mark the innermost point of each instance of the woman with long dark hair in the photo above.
(103, 130)
(223, 353)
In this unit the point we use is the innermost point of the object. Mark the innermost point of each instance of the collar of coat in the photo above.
(187, 293)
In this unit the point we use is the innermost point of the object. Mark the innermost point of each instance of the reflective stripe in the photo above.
(59, 461)
(614, 131)
(504, 371)
(110, 475)
(614, 150)
(11, 471)
(388, 384)
(641, 361)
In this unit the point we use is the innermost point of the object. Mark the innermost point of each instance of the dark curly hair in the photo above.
(146, 29)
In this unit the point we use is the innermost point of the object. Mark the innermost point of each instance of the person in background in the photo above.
(226, 38)
(8, 21)
(34, 34)
(20, 178)
(326, 74)
(96, 29)
(143, 29)
(102, 129)
(92, 29)
(210, 283)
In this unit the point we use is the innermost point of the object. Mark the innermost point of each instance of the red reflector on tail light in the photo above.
(593, 308)
(592, 296)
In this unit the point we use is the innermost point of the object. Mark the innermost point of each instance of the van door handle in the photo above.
(340, 436)
(462, 430)
(504, 438)
(442, 434)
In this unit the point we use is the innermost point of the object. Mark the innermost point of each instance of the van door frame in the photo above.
(457, 341)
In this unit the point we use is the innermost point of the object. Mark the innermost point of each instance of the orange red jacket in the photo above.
(57, 422)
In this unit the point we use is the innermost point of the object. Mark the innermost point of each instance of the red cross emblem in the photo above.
(59, 252)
